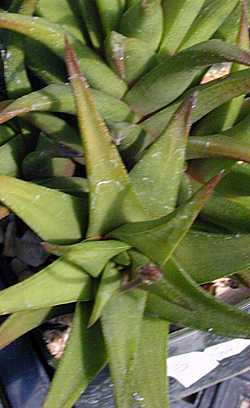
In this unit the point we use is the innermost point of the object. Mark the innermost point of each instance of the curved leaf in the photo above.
(156, 177)
(84, 254)
(52, 36)
(107, 176)
(83, 358)
(110, 13)
(20, 323)
(218, 145)
(129, 57)
(88, 11)
(60, 12)
(11, 156)
(178, 18)
(143, 20)
(109, 284)
(54, 216)
(219, 255)
(59, 283)
(209, 97)
(59, 98)
(150, 377)
(121, 323)
(159, 238)
(168, 80)
(195, 307)
(211, 16)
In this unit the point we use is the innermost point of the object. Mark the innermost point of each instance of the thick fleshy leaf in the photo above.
(15, 75)
(194, 307)
(60, 12)
(178, 18)
(88, 11)
(110, 13)
(218, 145)
(121, 323)
(11, 156)
(41, 163)
(129, 57)
(209, 19)
(226, 115)
(59, 283)
(236, 182)
(158, 239)
(168, 80)
(83, 358)
(59, 98)
(20, 323)
(228, 31)
(219, 255)
(52, 36)
(144, 20)
(50, 70)
(91, 256)
(150, 377)
(109, 284)
(6, 133)
(209, 97)
(107, 176)
(76, 186)
(54, 216)
(156, 177)
(230, 211)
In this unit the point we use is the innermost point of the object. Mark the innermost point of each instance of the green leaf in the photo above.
(83, 358)
(60, 12)
(226, 115)
(159, 238)
(15, 75)
(129, 57)
(88, 11)
(54, 216)
(150, 377)
(59, 98)
(209, 97)
(219, 255)
(76, 186)
(194, 307)
(107, 176)
(218, 145)
(84, 254)
(143, 20)
(168, 80)
(209, 19)
(20, 323)
(56, 128)
(156, 177)
(6, 133)
(110, 13)
(178, 18)
(59, 283)
(232, 213)
(52, 36)
(109, 284)
(121, 323)
(12, 154)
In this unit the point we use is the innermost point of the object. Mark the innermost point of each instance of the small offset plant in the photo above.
(116, 198)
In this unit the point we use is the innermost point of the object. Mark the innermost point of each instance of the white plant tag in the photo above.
(190, 367)
(227, 349)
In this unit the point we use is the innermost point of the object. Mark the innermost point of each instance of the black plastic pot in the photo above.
(25, 379)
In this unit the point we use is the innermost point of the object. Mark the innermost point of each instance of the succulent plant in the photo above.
(116, 198)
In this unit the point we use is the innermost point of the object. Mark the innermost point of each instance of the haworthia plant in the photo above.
(107, 152)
